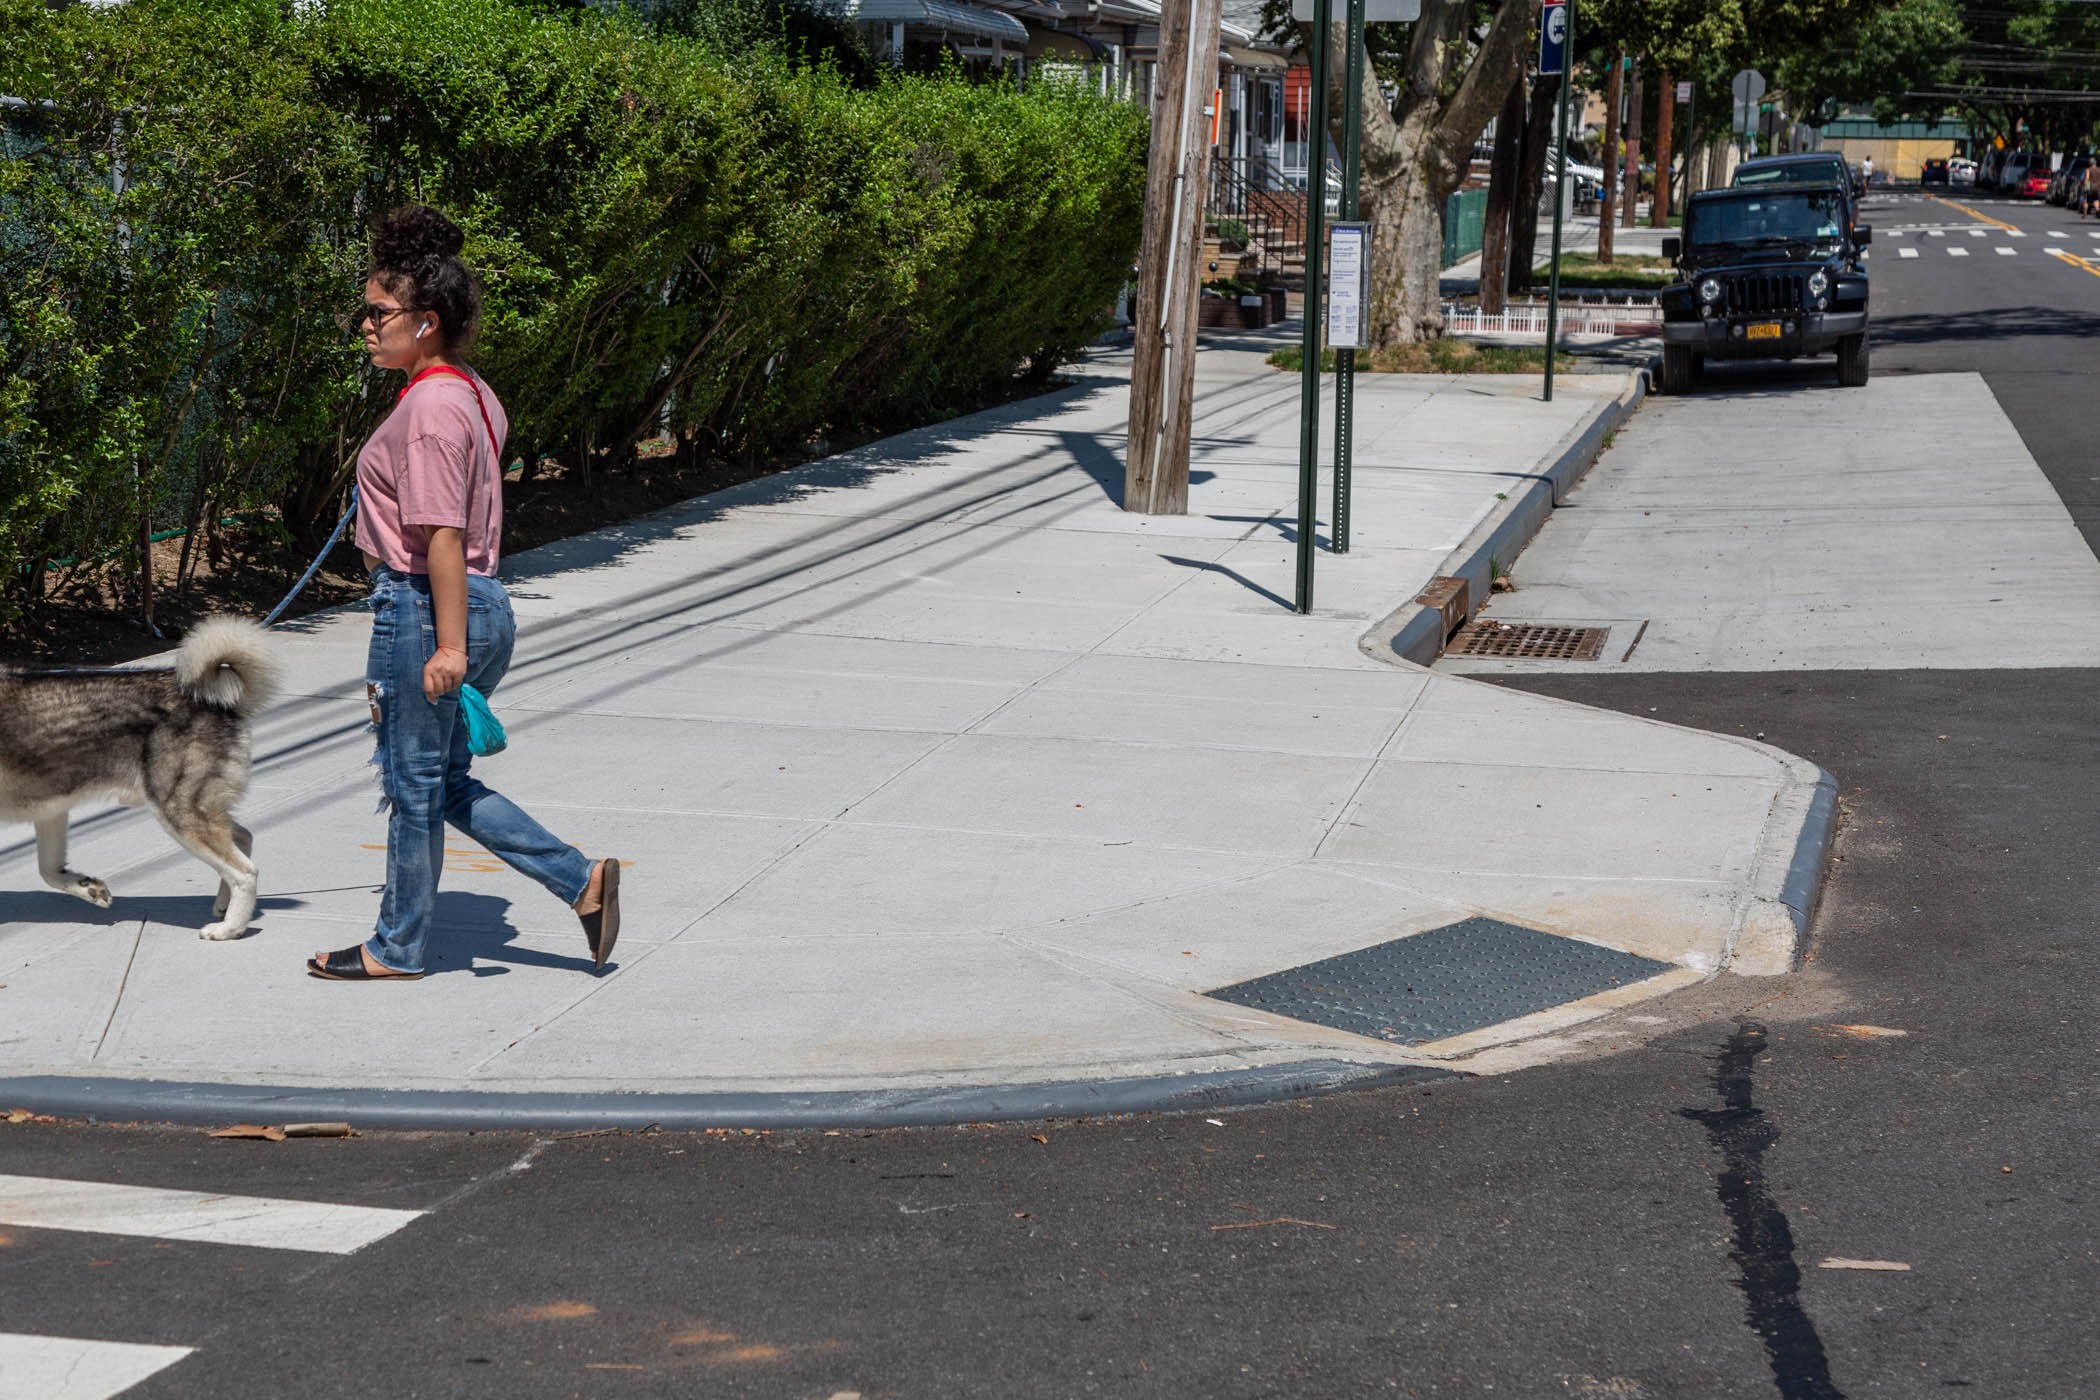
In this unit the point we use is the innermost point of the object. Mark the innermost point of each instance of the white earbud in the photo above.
(422, 330)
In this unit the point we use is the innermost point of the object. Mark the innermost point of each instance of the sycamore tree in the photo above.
(1429, 90)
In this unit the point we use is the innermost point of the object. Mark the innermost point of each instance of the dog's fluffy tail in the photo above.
(229, 664)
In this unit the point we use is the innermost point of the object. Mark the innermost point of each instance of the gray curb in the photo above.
(1804, 876)
(169, 1101)
(1416, 633)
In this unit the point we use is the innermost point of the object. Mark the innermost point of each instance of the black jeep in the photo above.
(1769, 273)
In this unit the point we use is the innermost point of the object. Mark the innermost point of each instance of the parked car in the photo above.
(1935, 172)
(2035, 183)
(1767, 272)
(1804, 168)
(1961, 170)
(2012, 172)
(2065, 184)
(1587, 181)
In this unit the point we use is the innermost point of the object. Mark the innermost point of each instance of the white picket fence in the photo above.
(1588, 320)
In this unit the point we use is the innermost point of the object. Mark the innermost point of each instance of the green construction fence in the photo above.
(1465, 224)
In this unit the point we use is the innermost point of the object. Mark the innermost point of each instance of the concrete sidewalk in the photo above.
(948, 791)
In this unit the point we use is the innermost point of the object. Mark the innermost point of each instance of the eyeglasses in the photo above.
(372, 312)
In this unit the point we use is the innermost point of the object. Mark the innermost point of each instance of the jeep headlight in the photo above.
(1818, 282)
(1710, 291)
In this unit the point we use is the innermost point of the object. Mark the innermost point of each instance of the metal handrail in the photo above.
(1253, 191)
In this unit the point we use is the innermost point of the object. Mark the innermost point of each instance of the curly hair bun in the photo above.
(408, 236)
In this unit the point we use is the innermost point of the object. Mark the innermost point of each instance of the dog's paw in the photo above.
(92, 890)
(221, 931)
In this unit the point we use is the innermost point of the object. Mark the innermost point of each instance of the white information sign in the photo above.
(1347, 283)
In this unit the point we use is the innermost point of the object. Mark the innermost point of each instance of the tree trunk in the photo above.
(1502, 190)
(1524, 219)
(1405, 208)
(1607, 206)
(1416, 152)
(1665, 120)
(1635, 101)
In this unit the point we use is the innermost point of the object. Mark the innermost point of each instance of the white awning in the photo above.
(953, 16)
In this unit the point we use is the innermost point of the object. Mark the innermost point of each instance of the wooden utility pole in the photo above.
(1635, 101)
(1502, 198)
(1665, 119)
(1177, 180)
(1614, 89)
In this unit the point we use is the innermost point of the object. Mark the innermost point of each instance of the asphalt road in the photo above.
(1650, 1223)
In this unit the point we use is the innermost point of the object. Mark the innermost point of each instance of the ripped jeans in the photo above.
(423, 763)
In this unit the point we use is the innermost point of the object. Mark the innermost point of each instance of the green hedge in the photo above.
(734, 248)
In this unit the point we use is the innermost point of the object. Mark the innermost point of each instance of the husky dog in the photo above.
(172, 740)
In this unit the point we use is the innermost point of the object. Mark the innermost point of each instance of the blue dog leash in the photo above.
(315, 567)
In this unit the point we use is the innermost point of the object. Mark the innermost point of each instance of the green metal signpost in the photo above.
(1553, 58)
(1320, 13)
(1345, 360)
(1315, 245)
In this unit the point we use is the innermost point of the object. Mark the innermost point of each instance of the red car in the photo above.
(2036, 185)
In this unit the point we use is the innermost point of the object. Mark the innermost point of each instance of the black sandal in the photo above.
(348, 965)
(601, 927)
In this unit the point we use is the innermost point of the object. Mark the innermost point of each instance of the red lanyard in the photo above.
(422, 375)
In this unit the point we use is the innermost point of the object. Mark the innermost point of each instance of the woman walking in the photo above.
(430, 523)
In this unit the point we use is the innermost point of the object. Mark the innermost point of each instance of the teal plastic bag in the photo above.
(484, 731)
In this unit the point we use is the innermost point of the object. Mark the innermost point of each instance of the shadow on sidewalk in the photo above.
(472, 933)
(1237, 577)
(168, 913)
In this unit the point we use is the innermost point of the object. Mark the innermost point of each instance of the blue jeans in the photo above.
(423, 763)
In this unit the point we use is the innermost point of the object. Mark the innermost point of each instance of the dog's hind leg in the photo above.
(209, 836)
(243, 839)
(51, 863)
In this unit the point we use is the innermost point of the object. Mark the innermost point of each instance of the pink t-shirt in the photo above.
(431, 463)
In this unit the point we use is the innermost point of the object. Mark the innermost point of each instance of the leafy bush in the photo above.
(743, 252)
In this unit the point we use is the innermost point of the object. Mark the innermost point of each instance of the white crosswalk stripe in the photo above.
(40, 1367)
(1905, 253)
(2008, 252)
(2053, 233)
(1979, 233)
(45, 1203)
(75, 1368)
(2017, 232)
(1958, 252)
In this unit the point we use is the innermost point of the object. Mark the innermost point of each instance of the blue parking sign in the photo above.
(1553, 36)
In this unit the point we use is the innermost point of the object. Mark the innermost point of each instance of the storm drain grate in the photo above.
(1459, 978)
(1528, 641)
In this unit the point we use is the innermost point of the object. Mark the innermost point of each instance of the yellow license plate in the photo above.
(1762, 330)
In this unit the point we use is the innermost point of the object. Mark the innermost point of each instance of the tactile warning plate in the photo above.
(1446, 982)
